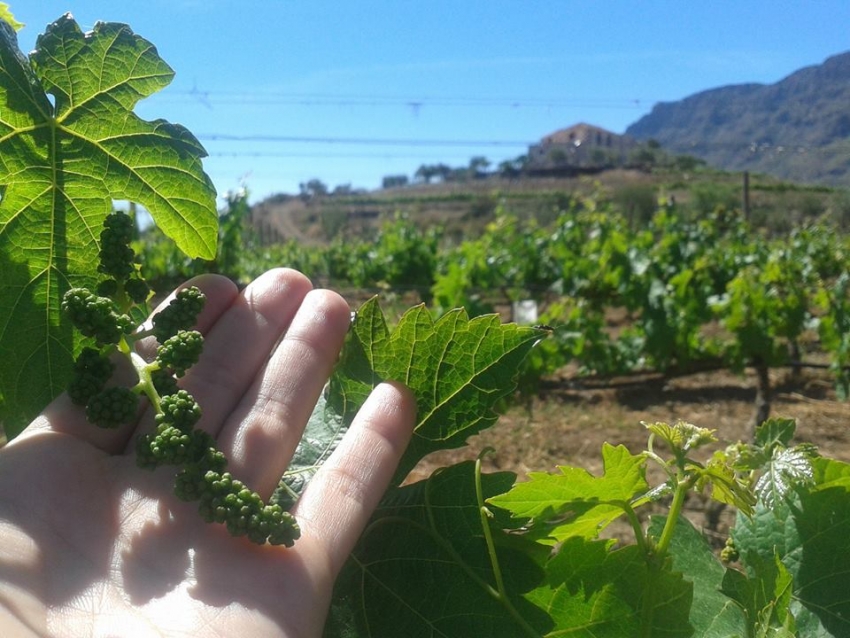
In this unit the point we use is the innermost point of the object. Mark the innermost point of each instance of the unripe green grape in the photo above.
(112, 407)
(137, 289)
(181, 352)
(95, 316)
(729, 553)
(116, 256)
(189, 484)
(180, 314)
(145, 458)
(91, 372)
(180, 410)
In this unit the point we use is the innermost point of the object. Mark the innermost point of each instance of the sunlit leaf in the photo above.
(574, 502)
(458, 368)
(70, 144)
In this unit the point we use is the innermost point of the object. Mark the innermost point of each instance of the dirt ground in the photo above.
(570, 419)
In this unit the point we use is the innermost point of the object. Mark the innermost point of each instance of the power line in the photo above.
(209, 98)
(364, 141)
(748, 149)
(376, 155)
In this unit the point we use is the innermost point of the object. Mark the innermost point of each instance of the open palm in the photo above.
(90, 545)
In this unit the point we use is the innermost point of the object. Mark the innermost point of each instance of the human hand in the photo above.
(91, 545)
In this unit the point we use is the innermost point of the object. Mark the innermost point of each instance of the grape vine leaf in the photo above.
(63, 160)
(712, 614)
(323, 433)
(764, 595)
(594, 591)
(458, 368)
(809, 531)
(775, 432)
(574, 502)
(431, 532)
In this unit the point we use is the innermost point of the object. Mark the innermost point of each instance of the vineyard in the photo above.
(680, 294)
(466, 541)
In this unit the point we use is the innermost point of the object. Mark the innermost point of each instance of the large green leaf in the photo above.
(422, 568)
(458, 368)
(764, 596)
(712, 614)
(63, 160)
(593, 591)
(810, 533)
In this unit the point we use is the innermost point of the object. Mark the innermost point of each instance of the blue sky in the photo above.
(348, 92)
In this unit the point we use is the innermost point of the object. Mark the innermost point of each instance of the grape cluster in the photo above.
(116, 255)
(180, 314)
(95, 316)
(729, 553)
(224, 499)
(112, 407)
(117, 259)
(180, 352)
(91, 372)
(104, 315)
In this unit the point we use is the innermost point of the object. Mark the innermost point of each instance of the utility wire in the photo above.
(210, 98)
(365, 141)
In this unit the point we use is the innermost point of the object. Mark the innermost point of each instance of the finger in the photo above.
(338, 501)
(238, 345)
(261, 434)
(62, 416)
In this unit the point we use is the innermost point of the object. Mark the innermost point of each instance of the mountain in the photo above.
(797, 128)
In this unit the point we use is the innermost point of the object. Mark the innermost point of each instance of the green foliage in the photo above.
(65, 158)
(459, 368)
(574, 502)
(834, 330)
(430, 532)
(544, 571)
(805, 535)
(401, 256)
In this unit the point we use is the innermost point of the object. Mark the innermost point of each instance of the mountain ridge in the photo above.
(797, 128)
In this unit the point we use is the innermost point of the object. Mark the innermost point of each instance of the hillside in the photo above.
(797, 128)
(462, 209)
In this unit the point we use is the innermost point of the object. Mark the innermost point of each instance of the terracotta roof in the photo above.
(579, 133)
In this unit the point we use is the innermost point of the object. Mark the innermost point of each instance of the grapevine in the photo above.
(200, 467)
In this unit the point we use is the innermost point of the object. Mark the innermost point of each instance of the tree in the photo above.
(394, 181)
(313, 188)
(513, 167)
(478, 166)
(425, 173)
